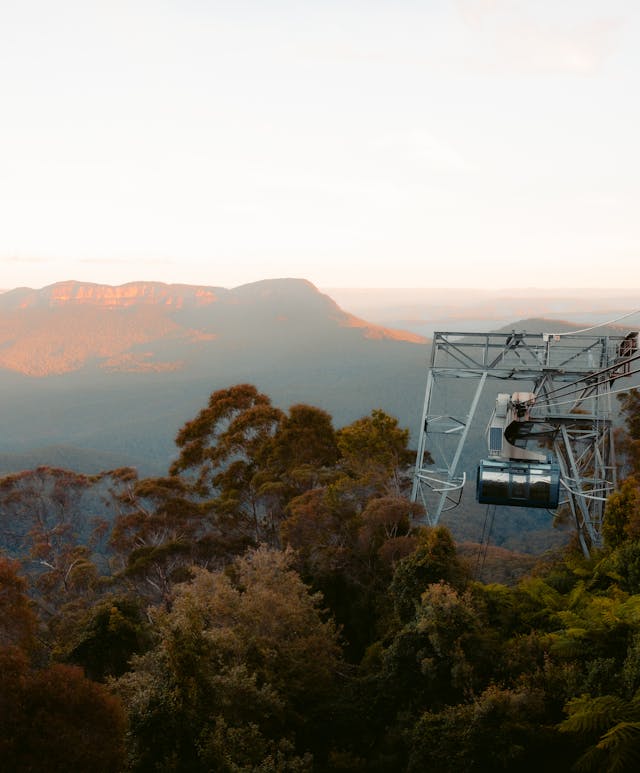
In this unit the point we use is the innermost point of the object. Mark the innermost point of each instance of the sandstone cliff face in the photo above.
(151, 327)
(108, 296)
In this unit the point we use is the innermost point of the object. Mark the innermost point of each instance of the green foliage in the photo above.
(610, 726)
(622, 519)
(233, 428)
(301, 455)
(441, 656)
(387, 527)
(348, 542)
(164, 528)
(623, 566)
(243, 663)
(630, 406)
(374, 453)
(107, 636)
(251, 459)
(322, 527)
(500, 730)
(629, 441)
(433, 560)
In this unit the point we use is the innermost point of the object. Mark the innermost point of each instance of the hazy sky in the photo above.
(351, 142)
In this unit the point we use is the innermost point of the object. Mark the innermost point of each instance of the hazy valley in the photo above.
(423, 310)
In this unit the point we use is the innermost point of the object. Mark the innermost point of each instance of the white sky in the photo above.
(369, 143)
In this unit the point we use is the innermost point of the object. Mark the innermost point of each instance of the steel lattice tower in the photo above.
(571, 376)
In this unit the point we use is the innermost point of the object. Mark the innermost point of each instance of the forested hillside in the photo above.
(272, 603)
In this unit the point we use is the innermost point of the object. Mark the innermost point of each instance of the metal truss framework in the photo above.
(571, 375)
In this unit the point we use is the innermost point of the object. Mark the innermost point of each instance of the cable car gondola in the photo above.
(512, 475)
(518, 484)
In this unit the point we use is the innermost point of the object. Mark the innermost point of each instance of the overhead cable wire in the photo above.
(594, 374)
(595, 327)
(611, 392)
(476, 571)
(481, 556)
(547, 401)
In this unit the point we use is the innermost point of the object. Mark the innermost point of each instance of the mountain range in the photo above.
(91, 369)
(152, 327)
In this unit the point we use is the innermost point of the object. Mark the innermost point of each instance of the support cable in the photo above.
(488, 540)
(595, 327)
(484, 540)
(547, 402)
(595, 373)
(588, 397)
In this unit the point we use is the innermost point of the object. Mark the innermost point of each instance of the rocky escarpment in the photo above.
(152, 327)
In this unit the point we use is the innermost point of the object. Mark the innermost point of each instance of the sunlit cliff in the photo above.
(154, 327)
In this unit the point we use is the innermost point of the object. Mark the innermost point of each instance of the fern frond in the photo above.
(622, 745)
(630, 609)
(577, 594)
(592, 761)
(592, 716)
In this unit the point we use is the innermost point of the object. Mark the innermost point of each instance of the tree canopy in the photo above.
(276, 603)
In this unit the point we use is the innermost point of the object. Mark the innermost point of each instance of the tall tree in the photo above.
(160, 532)
(375, 454)
(301, 455)
(221, 451)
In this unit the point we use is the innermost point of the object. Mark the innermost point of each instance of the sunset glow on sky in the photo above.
(371, 143)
